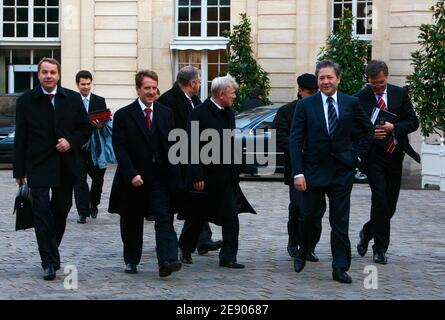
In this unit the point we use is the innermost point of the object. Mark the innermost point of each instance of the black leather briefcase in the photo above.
(23, 209)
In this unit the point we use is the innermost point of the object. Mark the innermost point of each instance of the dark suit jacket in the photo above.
(135, 147)
(39, 126)
(177, 101)
(96, 103)
(220, 178)
(315, 154)
(282, 123)
(399, 104)
(251, 103)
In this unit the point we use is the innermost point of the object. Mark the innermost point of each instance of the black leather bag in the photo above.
(23, 209)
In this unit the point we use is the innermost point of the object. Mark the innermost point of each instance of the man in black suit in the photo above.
(324, 161)
(255, 100)
(384, 162)
(143, 176)
(182, 98)
(92, 161)
(51, 127)
(307, 86)
(215, 177)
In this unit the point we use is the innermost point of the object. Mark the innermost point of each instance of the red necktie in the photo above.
(390, 145)
(147, 117)
(50, 97)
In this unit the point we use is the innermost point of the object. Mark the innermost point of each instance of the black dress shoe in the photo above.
(210, 245)
(299, 262)
(82, 219)
(186, 257)
(362, 246)
(167, 268)
(311, 256)
(231, 264)
(341, 276)
(49, 273)
(94, 212)
(131, 268)
(379, 257)
(292, 250)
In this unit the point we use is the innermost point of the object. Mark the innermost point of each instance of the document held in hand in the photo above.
(379, 115)
(101, 115)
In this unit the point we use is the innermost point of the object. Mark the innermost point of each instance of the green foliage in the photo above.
(427, 83)
(349, 52)
(241, 64)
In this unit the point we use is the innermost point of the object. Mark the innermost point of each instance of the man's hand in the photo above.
(63, 145)
(379, 134)
(97, 124)
(388, 127)
(20, 181)
(137, 181)
(199, 185)
(300, 184)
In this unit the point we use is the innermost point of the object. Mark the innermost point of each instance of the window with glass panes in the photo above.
(361, 10)
(202, 18)
(212, 63)
(29, 19)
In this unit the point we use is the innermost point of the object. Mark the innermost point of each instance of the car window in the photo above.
(245, 118)
(267, 123)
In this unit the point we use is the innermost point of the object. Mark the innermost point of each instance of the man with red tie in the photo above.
(385, 157)
(144, 178)
(51, 127)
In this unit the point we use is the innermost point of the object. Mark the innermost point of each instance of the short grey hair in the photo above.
(328, 64)
(187, 74)
(374, 67)
(222, 84)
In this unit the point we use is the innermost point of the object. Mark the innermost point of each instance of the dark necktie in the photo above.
(332, 116)
(390, 145)
(50, 97)
(147, 117)
(189, 100)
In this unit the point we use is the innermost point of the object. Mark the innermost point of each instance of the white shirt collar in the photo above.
(221, 108)
(143, 106)
(52, 92)
(88, 97)
(325, 97)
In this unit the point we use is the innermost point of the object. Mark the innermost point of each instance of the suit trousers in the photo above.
(50, 215)
(230, 229)
(85, 197)
(205, 235)
(293, 224)
(313, 199)
(132, 223)
(384, 176)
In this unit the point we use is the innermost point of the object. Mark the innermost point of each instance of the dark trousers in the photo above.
(230, 229)
(205, 235)
(384, 176)
(293, 224)
(132, 223)
(50, 214)
(85, 197)
(339, 196)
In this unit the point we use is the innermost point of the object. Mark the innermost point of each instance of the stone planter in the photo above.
(433, 164)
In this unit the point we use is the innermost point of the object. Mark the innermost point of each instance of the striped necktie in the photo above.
(332, 116)
(390, 145)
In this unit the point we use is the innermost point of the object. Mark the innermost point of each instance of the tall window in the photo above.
(29, 20)
(212, 63)
(200, 41)
(361, 10)
(203, 18)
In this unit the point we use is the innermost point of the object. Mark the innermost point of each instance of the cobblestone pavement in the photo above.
(416, 268)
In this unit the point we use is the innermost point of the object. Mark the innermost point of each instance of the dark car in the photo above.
(254, 125)
(248, 123)
(7, 131)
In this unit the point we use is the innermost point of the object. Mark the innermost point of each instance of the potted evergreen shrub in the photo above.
(427, 90)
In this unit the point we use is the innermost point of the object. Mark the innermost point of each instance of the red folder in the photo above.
(101, 115)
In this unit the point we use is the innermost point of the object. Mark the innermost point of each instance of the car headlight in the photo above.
(11, 135)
